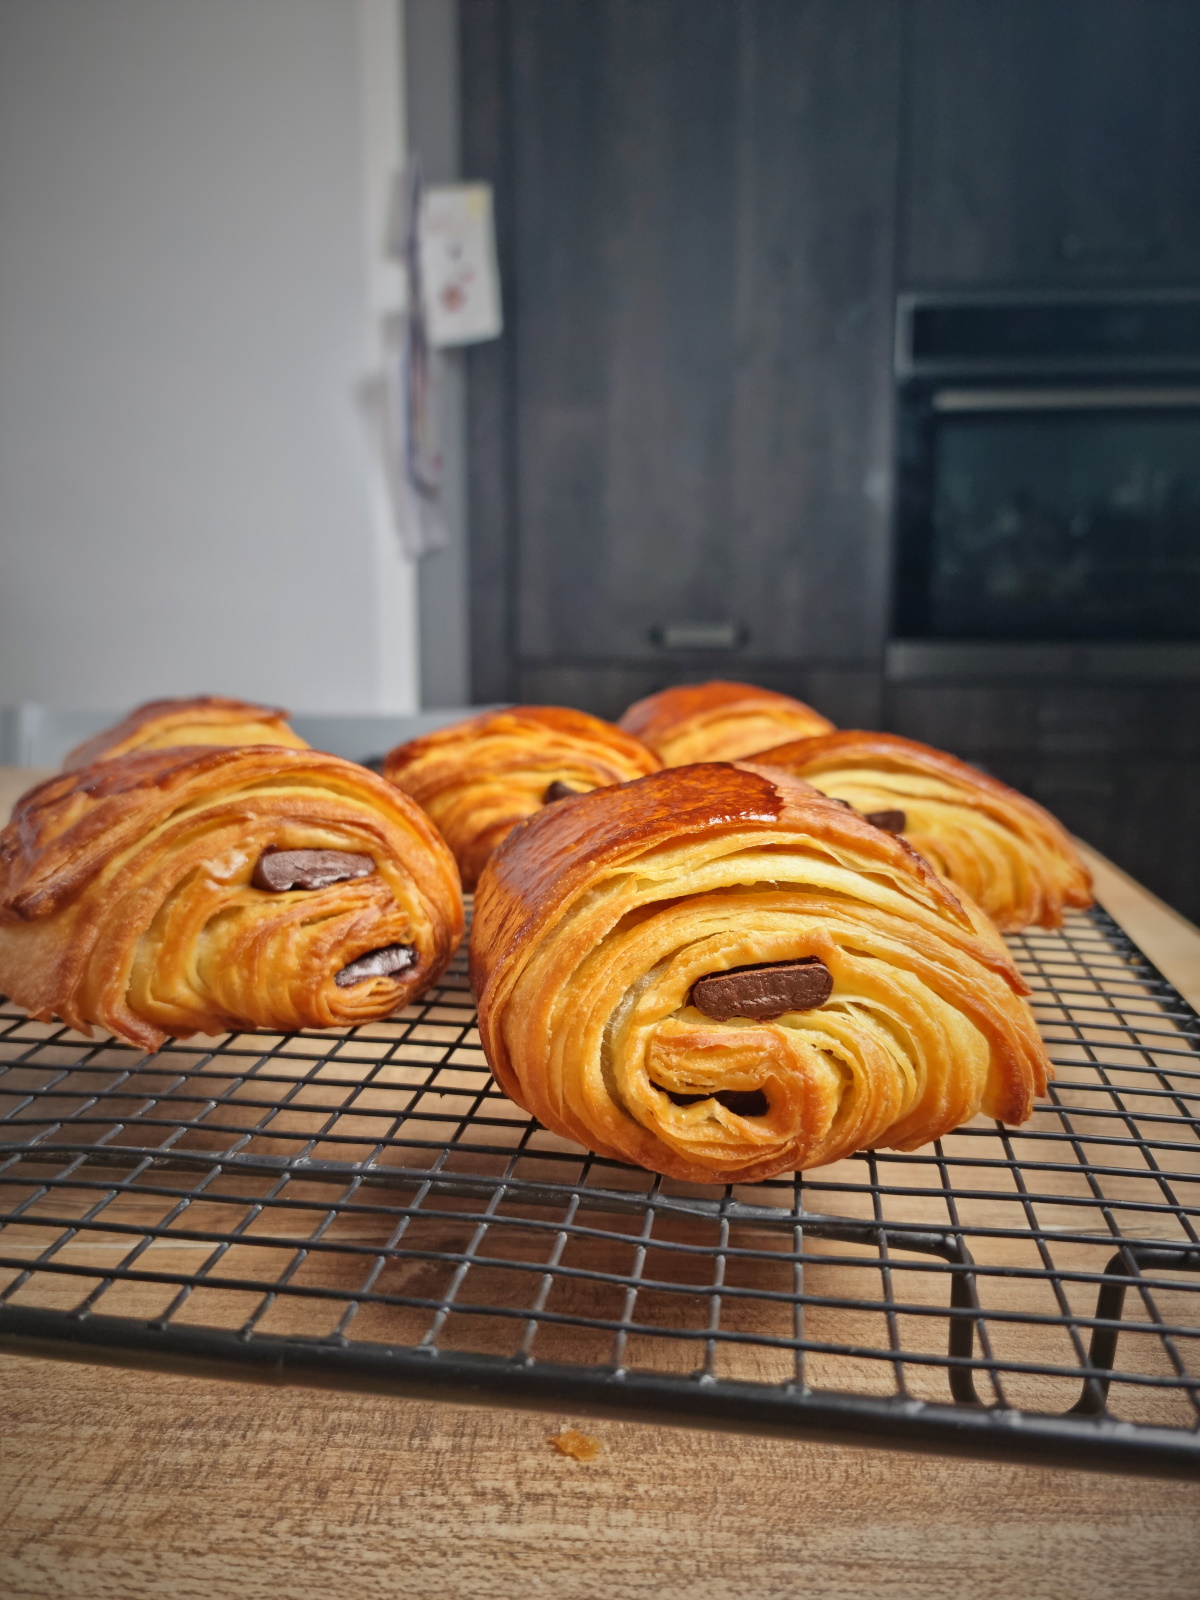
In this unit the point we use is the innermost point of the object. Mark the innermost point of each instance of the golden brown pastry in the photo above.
(481, 777)
(721, 975)
(718, 721)
(1010, 856)
(201, 889)
(206, 719)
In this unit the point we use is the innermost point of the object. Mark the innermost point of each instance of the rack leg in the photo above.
(1110, 1307)
(963, 1297)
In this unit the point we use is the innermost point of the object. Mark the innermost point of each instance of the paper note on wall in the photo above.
(458, 264)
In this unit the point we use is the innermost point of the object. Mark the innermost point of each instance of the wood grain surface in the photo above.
(122, 1483)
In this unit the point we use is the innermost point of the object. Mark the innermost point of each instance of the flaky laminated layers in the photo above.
(128, 900)
(203, 719)
(478, 779)
(1000, 847)
(718, 721)
(596, 920)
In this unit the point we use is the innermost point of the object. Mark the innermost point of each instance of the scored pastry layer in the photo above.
(595, 920)
(204, 719)
(718, 721)
(481, 777)
(1003, 849)
(128, 900)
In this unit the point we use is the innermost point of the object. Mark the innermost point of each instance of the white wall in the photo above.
(187, 494)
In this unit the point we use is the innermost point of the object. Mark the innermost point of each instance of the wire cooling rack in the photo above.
(365, 1209)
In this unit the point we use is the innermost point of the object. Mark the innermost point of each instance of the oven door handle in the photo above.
(1124, 398)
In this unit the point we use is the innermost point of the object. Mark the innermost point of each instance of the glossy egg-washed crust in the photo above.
(1001, 848)
(126, 899)
(479, 778)
(206, 719)
(593, 922)
(718, 721)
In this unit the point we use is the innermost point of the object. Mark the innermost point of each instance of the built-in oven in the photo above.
(1049, 467)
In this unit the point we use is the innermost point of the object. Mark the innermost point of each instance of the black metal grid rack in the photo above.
(365, 1209)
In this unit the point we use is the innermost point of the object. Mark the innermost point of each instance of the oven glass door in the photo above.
(1057, 514)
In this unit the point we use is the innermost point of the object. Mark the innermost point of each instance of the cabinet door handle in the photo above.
(1110, 398)
(699, 635)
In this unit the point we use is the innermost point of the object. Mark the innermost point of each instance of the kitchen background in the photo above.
(851, 347)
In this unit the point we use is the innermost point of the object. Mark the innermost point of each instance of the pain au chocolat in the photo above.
(998, 846)
(718, 721)
(719, 974)
(196, 890)
(481, 777)
(206, 719)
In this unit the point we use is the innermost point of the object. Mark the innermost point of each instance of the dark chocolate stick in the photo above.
(280, 870)
(889, 821)
(764, 991)
(383, 963)
(559, 790)
(745, 1102)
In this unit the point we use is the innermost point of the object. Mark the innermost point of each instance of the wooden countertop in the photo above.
(124, 1484)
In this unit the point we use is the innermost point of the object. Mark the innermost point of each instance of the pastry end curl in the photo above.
(202, 890)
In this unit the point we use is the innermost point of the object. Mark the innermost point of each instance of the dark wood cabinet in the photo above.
(1118, 764)
(1054, 720)
(681, 459)
(1142, 813)
(1051, 142)
(681, 451)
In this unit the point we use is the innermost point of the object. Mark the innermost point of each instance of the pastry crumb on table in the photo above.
(579, 1446)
